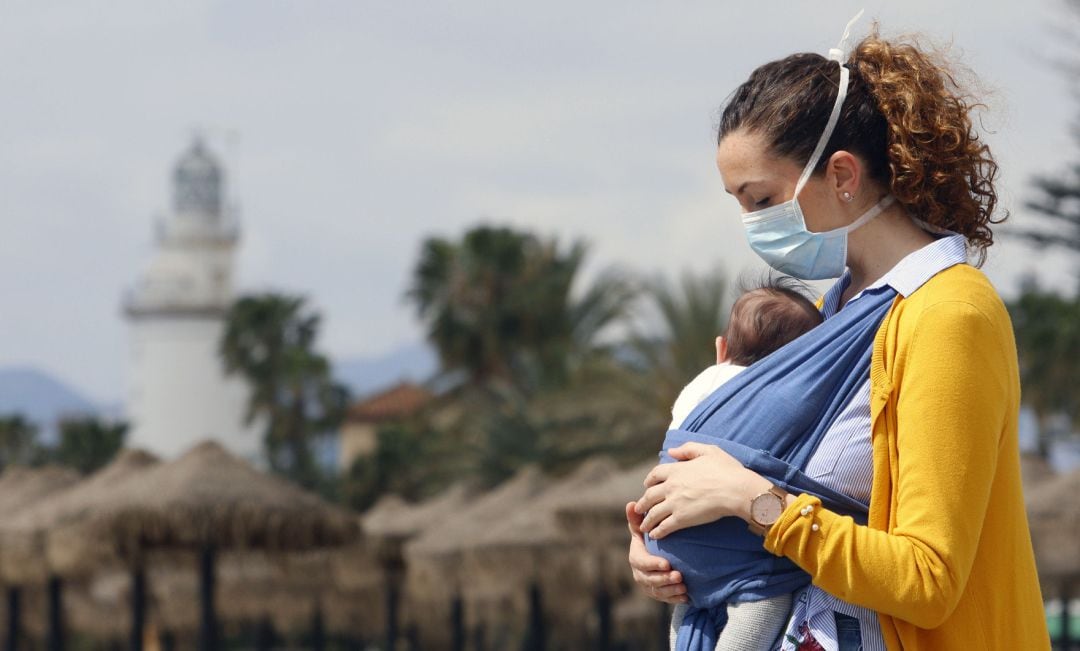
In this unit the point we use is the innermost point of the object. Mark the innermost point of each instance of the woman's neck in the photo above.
(876, 247)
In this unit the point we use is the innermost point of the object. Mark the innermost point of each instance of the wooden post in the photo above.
(138, 606)
(208, 634)
(664, 622)
(264, 634)
(394, 573)
(14, 601)
(537, 632)
(318, 631)
(603, 619)
(457, 623)
(55, 635)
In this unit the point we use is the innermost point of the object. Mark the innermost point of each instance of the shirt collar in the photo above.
(910, 273)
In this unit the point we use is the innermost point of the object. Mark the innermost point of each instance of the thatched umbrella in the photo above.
(252, 585)
(206, 501)
(394, 519)
(528, 553)
(435, 557)
(20, 489)
(595, 525)
(1035, 470)
(389, 525)
(22, 536)
(1054, 514)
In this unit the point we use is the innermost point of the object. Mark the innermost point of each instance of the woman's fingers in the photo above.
(663, 528)
(633, 519)
(642, 561)
(672, 594)
(658, 474)
(653, 496)
(654, 574)
(655, 516)
(691, 450)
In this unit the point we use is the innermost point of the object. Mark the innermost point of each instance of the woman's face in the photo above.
(758, 180)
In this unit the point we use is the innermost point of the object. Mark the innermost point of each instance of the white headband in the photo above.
(835, 54)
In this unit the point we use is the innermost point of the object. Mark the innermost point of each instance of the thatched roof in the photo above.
(394, 518)
(206, 497)
(468, 524)
(22, 536)
(1034, 471)
(531, 522)
(1054, 515)
(20, 487)
(597, 513)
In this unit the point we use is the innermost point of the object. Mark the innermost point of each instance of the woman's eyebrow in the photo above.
(743, 186)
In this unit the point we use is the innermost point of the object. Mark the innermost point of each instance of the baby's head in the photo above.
(766, 317)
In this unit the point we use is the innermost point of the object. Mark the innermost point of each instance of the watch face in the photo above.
(766, 508)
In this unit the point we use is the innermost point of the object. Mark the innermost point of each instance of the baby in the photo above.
(762, 320)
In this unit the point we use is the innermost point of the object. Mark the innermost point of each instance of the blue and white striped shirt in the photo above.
(843, 460)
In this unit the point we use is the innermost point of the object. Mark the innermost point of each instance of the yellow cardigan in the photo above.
(946, 557)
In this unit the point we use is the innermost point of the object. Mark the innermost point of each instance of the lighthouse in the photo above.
(178, 391)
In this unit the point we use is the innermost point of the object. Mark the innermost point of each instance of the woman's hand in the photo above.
(705, 485)
(652, 573)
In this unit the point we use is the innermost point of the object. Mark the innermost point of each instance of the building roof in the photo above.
(398, 401)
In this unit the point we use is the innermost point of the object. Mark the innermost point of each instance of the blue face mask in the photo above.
(778, 233)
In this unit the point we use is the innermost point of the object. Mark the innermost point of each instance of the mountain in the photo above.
(40, 397)
(366, 375)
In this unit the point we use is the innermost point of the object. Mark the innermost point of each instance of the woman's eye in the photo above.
(764, 202)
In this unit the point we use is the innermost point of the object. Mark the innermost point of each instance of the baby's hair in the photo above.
(770, 312)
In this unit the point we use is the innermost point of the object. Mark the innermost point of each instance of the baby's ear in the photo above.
(721, 350)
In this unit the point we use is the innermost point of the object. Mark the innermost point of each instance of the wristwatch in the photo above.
(765, 509)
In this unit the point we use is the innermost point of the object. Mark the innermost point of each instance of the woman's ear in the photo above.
(844, 174)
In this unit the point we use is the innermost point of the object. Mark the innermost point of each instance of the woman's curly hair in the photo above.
(905, 115)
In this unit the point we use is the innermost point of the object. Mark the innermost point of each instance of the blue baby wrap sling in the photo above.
(770, 417)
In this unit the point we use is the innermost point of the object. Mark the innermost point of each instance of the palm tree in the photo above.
(691, 315)
(499, 306)
(270, 340)
(87, 444)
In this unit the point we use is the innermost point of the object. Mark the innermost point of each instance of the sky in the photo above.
(353, 130)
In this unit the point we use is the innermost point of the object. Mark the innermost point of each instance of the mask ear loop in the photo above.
(834, 117)
(835, 54)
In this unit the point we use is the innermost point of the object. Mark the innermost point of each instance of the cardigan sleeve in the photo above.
(951, 405)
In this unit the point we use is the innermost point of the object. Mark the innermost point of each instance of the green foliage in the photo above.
(498, 306)
(270, 341)
(18, 441)
(87, 444)
(1047, 328)
(1057, 202)
(406, 462)
(538, 386)
(691, 315)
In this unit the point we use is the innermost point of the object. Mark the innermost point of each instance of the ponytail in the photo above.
(940, 170)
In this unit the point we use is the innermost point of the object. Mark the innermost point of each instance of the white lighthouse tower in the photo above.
(179, 393)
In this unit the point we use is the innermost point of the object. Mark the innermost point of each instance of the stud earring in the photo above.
(847, 196)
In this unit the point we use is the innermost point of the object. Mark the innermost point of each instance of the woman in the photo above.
(899, 190)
